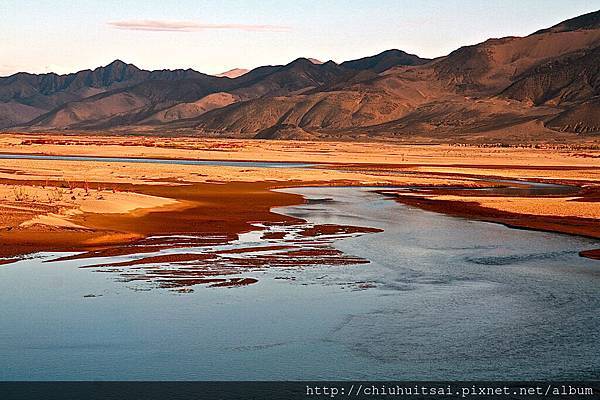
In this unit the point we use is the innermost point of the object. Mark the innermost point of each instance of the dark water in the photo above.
(528, 188)
(223, 163)
(450, 299)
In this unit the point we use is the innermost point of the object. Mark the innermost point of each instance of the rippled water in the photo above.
(447, 299)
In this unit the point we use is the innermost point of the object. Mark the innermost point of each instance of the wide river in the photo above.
(448, 298)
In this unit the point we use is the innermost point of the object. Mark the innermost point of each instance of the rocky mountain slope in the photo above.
(530, 85)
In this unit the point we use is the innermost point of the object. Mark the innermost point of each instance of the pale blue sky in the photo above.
(214, 36)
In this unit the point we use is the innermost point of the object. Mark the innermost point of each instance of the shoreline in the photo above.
(469, 210)
(589, 228)
(102, 231)
(201, 209)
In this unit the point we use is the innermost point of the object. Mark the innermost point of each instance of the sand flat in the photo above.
(550, 206)
(280, 150)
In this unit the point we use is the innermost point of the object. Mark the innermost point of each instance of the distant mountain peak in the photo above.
(308, 63)
(117, 70)
(300, 61)
(117, 62)
(384, 60)
(120, 64)
(393, 51)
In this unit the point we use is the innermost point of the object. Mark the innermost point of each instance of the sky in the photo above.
(214, 36)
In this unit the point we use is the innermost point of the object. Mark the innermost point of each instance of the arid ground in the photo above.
(97, 206)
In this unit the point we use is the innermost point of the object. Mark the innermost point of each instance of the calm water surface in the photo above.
(450, 299)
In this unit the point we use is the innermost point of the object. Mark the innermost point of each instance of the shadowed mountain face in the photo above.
(25, 96)
(561, 81)
(130, 104)
(299, 75)
(144, 97)
(385, 60)
(541, 87)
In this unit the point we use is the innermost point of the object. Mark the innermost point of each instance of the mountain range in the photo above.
(545, 86)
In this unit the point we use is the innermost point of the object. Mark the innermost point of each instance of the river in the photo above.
(447, 298)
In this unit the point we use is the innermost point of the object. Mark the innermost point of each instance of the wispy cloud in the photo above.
(190, 26)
